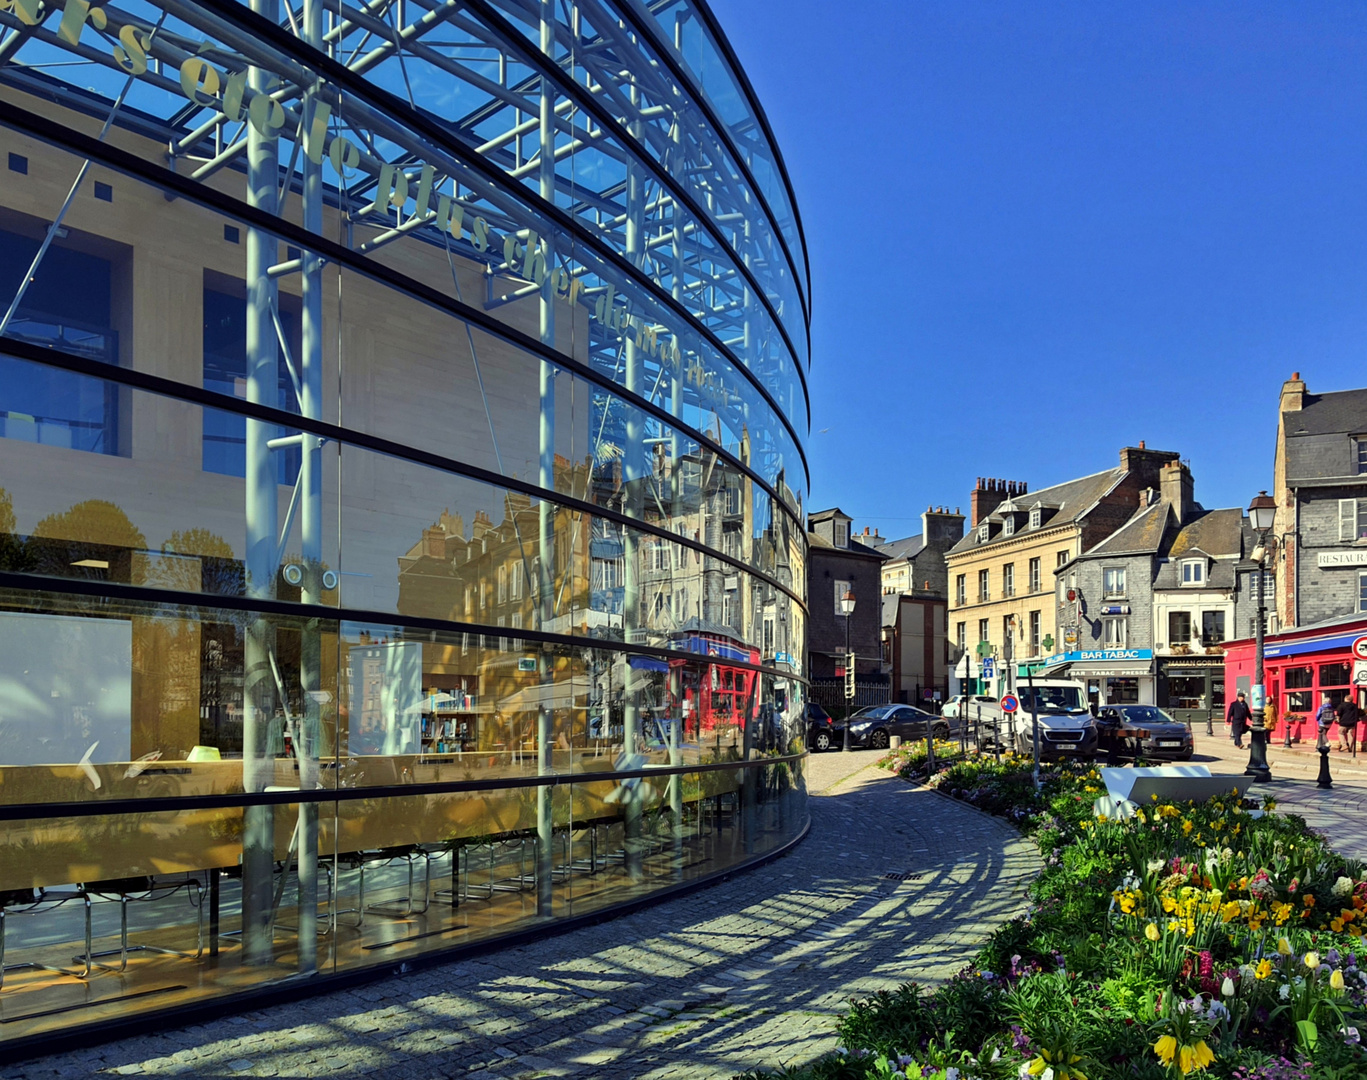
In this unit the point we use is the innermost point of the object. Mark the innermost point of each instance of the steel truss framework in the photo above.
(570, 148)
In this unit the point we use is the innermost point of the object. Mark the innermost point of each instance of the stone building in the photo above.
(838, 563)
(916, 564)
(1155, 602)
(1320, 481)
(1002, 573)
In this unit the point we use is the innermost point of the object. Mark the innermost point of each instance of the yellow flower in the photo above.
(1151, 932)
(1263, 970)
(1336, 979)
(1204, 1054)
(1284, 946)
(1186, 828)
(1312, 960)
(1166, 1049)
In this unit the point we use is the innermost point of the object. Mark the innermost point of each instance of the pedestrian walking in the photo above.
(1323, 719)
(1239, 716)
(1349, 717)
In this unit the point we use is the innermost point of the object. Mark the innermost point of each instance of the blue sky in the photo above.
(1040, 232)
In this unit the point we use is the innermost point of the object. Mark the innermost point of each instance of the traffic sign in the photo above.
(1010, 703)
(1360, 648)
(989, 668)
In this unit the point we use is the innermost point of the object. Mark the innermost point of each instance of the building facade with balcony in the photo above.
(401, 463)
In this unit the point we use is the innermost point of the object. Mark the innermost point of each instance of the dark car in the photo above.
(873, 726)
(823, 732)
(1143, 731)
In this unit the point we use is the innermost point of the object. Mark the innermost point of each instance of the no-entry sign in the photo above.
(1009, 703)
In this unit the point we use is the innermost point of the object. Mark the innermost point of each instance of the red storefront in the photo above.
(1302, 668)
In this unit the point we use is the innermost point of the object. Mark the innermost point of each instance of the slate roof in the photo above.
(1141, 535)
(1216, 533)
(1073, 499)
(1339, 412)
(907, 548)
(816, 540)
(826, 515)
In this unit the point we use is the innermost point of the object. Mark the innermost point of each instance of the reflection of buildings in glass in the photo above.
(217, 434)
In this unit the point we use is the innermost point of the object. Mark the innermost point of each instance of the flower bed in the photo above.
(1187, 940)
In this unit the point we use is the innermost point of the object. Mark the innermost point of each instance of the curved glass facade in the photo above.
(402, 485)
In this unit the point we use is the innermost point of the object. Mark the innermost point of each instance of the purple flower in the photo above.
(1019, 1039)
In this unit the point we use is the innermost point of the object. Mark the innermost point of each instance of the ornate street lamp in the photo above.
(1262, 515)
(847, 609)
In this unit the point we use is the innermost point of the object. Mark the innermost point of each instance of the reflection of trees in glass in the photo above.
(14, 554)
(197, 560)
(93, 539)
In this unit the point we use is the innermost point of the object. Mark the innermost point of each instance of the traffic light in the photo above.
(849, 677)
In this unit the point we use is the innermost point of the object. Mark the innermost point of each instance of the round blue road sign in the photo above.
(1009, 703)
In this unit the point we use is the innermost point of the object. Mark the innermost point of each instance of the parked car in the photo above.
(965, 705)
(823, 732)
(1143, 730)
(1067, 728)
(873, 726)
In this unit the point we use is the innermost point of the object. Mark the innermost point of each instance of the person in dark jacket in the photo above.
(1349, 716)
(1239, 716)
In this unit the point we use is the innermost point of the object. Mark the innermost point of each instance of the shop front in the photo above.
(1111, 676)
(1303, 668)
(1192, 688)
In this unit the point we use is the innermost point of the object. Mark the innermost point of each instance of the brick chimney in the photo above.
(986, 497)
(1175, 483)
(1293, 393)
(941, 528)
(1145, 465)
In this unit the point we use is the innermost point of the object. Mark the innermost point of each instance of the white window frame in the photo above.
(1009, 579)
(961, 638)
(1115, 631)
(984, 586)
(515, 581)
(1061, 558)
(984, 533)
(1362, 590)
(1192, 573)
(841, 588)
(502, 584)
(1036, 632)
(1352, 520)
(1036, 577)
(842, 534)
(1224, 626)
(1360, 447)
(1009, 525)
(984, 630)
(1107, 589)
(1036, 517)
(961, 589)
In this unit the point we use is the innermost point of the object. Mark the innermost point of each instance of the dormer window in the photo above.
(984, 532)
(842, 534)
(1036, 518)
(1193, 572)
(1009, 525)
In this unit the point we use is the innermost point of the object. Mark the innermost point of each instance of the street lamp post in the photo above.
(847, 609)
(1262, 514)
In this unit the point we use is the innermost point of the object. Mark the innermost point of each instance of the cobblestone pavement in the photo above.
(752, 971)
(1340, 812)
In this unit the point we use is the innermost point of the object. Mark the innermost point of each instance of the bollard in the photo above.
(930, 752)
(895, 742)
(1322, 745)
(1210, 718)
(1286, 738)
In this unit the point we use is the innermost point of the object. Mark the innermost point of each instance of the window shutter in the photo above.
(1347, 519)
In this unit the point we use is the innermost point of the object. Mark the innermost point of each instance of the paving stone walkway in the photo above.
(752, 971)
